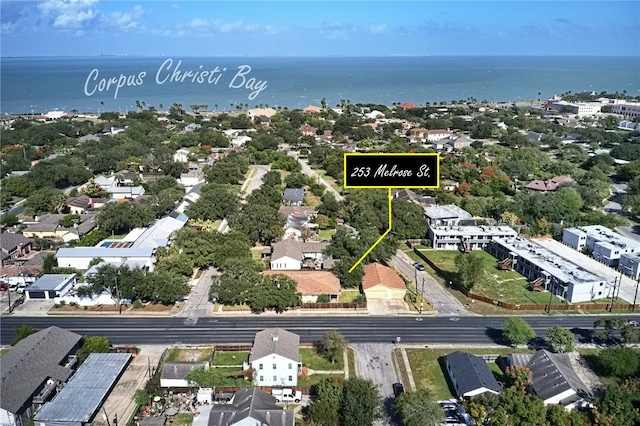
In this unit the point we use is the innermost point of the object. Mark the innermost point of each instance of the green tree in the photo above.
(517, 331)
(236, 283)
(419, 408)
(45, 200)
(120, 282)
(361, 403)
(9, 219)
(618, 403)
(91, 345)
(325, 411)
(560, 339)
(620, 362)
(123, 217)
(261, 223)
(470, 267)
(348, 279)
(23, 331)
(69, 220)
(215, 202)
(277, 292)
(332, 345)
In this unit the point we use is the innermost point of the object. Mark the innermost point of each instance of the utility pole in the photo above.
(636, 296)
(105, 417)
(421, 296)
(613, 293)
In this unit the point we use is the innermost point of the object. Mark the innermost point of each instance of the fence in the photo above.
(338, 305)
(527, 307)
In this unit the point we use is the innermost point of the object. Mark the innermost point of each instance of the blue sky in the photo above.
(318, 28)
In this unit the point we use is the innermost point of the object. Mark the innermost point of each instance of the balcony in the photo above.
(45, 393)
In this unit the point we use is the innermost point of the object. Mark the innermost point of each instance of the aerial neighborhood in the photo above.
(233, 232)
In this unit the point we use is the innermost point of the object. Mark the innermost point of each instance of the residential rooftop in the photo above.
(606, 237)
(442, 230)
(449, 211)
(560, 267)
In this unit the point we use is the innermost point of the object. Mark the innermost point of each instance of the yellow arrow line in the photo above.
(379, 239)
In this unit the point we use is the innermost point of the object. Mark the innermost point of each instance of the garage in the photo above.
(50, 286)
(382, 282)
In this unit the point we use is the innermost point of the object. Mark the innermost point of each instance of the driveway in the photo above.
(198, 304)
(614, 206)
(386, 306)
(373, 361)
(256, 179)
(432, 291)
(310, 172)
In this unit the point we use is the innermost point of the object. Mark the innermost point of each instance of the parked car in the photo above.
(286, 395)
(419, 266)
(634, 323)
(398, 389)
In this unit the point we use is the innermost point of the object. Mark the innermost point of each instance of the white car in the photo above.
(634, 323)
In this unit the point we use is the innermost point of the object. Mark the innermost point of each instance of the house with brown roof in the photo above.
(312, 109)
(13, 246)
(407, 105)
(312, 284)
(290, 255)
(308, 130)
(84, 203)
(382, 282)
(550, 184)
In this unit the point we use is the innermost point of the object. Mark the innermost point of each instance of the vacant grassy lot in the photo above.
(428, 371)
(507, 286)
(229, 379)
(256, 253)
(347, 296)
(314, 361)
(230, 358)
(326, 234)
(315, 378)
(188, 355)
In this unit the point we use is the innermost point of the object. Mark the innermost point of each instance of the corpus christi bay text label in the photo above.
(168, 73)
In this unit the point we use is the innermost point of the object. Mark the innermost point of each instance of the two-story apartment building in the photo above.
(275, 358)
(603, 244)
(467, 237)
(549, 270)
(448, 215)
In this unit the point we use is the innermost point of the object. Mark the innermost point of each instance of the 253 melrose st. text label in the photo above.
(168, 73)
(390, 170)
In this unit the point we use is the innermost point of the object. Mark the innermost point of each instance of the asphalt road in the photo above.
(306, 169)
(464, 330)
(433, 292)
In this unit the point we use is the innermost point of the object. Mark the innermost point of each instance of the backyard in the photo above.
(428, 371)
(188, 355)
(506, 286)
(230, 358)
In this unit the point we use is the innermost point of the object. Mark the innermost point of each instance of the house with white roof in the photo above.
(181, 156)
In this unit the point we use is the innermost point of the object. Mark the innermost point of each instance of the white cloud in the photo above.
(69, 14)
(376, 29)
(218, 26)
(124, 21)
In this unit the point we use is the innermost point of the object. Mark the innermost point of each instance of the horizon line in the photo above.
(390, 55)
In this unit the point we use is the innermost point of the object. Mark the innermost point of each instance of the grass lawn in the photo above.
(231, 380)
(326, 234)
(181, 419)
(256, 253)
(3, 352)
(507, 286)
(428, 373)
(315, 378)
(347, 296)
(311, 200)
(188, 355)
(351, 355)
(230, 358)
(312, 360)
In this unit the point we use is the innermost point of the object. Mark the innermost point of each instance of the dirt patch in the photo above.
(584, 371)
